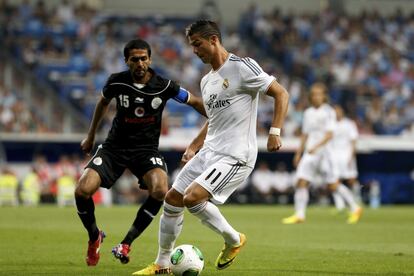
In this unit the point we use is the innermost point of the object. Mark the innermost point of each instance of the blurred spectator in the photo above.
(8, 188)
(30, 191)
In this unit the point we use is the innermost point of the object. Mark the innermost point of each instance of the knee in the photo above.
(190, 200)
(159, 192)
(86, 187)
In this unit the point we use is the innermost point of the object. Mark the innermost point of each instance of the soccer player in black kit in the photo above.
(132, 143)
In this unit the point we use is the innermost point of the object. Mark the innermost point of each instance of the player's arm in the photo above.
(299, 151)
(281, 101)
(100, 110)
(195, 145)
(353, 153)
(184, 96)
(328, 137)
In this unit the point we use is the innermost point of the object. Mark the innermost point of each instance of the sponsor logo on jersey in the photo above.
(156, 102)
(213, 102)
(139, 111)
(139, 100)
(225, 84)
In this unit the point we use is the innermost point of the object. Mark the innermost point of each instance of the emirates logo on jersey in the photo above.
(213, 102)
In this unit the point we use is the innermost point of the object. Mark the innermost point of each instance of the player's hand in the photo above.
(312, 151)
(188, 154)
(296, 160)
(87, 145)
(274, 143)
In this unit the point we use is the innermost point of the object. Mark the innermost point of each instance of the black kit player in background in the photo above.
(132, 143)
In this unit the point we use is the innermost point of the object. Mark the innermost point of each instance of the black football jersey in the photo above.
(137, 123)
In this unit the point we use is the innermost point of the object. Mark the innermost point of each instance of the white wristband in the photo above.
(274, 131)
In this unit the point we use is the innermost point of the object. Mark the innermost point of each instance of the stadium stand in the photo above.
(71, 48)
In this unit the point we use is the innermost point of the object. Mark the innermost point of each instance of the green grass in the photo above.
(51, 241)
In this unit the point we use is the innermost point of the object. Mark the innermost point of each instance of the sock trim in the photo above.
(198, 208)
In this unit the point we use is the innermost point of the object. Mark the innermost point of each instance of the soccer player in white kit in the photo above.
(319, 122)
(344, 147)
(223, 155)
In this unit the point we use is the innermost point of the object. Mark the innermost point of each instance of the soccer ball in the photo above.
(186, 260)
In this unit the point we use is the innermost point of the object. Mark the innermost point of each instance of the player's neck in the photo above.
(219, 59)
(144, 79)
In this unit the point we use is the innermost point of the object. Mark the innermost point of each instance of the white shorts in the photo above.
(346, 169)
(219, 174)
(318, 168)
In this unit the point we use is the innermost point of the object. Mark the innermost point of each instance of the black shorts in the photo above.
(111, 163)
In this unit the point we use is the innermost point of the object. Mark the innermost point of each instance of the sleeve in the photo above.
(353, 131)
(305, 123)
(253, 76)
(108, 92)
(330, 120)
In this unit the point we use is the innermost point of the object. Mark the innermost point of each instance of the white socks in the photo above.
(171, 223)
(211, 216)
(301, 199)
(348, 196)
(338, 201)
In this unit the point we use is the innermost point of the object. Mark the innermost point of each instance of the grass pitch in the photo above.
(48, 240)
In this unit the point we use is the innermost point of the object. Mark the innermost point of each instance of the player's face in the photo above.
(138, 63)
(317, 96)
(202, 47)
(339, 112)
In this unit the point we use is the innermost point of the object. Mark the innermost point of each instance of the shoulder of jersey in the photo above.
(123, 77)
(246, 62)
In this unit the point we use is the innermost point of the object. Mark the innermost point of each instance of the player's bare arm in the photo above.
(299, 151)
(100, 110)
(281, 101)
(195, 145)
(197, 104)
(328, 137)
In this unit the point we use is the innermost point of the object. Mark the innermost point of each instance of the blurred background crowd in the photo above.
(56, 59)
(366, 60)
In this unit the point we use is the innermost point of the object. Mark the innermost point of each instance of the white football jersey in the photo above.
(346, 131)
(316, 123)
(230, 96)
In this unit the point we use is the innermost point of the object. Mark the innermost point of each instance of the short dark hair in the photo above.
(136, 44)
(205, 28)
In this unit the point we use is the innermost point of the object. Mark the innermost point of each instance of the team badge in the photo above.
(156, 102)
(139, 111)
(225, 84)
(97, 161)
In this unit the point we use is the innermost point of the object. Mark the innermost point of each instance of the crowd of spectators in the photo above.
(366, 60)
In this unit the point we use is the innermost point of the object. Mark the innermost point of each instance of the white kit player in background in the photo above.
(318, 160)
(224, 153)
(344, 147)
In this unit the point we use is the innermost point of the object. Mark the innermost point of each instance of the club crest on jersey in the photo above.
(139, 111)
(225, 84)
(139, 100)
(156, 102)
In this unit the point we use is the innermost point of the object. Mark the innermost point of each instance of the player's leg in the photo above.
(301, 199)
(104, 168)
(196, 200)
(171, 223)
(338, 202)
(348, 196)
(88, 184)
(215, 185)
(156, 181)
(171, 220)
